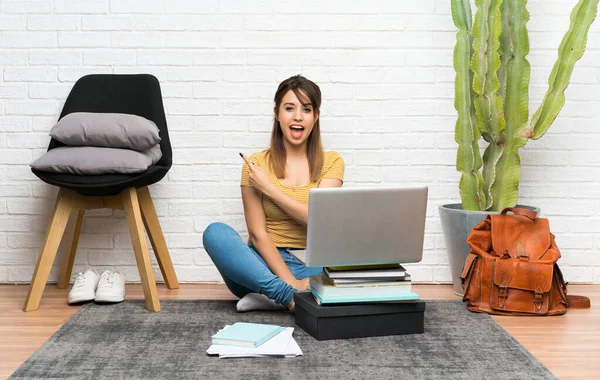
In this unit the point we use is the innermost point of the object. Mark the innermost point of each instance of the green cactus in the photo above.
(492, 94)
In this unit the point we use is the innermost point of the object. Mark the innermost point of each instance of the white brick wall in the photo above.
(386, 73)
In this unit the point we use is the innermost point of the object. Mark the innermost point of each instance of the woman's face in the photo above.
(295, 119)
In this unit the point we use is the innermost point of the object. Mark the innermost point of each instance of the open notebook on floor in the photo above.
(281, 345)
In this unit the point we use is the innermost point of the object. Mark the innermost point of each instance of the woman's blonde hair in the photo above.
(308, 93)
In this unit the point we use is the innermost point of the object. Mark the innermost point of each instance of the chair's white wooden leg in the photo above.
(66, 266)
(140, 247)
(157, 239)
(56, 228)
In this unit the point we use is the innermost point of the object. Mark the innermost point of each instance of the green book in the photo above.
(398, 272)
(246, 334)
(363, 267)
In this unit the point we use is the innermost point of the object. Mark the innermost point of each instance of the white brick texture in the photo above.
(385, 70)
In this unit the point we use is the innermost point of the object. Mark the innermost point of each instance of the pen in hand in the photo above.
(245, 159)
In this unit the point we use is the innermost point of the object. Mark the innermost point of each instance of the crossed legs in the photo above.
(245, 271)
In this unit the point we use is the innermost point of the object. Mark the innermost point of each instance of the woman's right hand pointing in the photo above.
(259, 178)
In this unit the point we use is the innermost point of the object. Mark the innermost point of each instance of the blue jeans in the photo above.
(245, 271)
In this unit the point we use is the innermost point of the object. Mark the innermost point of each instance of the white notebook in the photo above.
(281, 345)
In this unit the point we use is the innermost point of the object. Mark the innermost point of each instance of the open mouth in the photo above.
(296, 131)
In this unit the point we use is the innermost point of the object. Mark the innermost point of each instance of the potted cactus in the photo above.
(491, 99)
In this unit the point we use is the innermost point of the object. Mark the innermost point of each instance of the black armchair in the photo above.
(132, 94)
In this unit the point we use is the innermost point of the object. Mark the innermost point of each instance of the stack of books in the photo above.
(254, 340)
(368, 283)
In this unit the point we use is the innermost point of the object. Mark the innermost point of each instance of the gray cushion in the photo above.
(90, 160)
(111, 130)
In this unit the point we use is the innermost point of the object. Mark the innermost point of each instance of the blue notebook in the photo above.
(246, 334)
(344, 299)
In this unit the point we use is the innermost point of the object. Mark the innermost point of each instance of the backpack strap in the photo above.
(578, 302)
(520, 211)
(575, 302)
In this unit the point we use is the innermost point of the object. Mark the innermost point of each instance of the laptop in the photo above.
(364, 226)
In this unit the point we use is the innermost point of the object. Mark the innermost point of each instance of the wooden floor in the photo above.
(568, 345)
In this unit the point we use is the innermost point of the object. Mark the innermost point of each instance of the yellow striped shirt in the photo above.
(284, 230)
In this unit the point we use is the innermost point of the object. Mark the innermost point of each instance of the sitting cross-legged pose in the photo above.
(275, 185)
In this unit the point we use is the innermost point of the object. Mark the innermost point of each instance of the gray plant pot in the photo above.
(457, 224)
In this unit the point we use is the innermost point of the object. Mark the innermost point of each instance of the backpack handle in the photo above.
(520, 211)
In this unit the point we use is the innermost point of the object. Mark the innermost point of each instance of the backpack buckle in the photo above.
(538, 296)
(503, 292)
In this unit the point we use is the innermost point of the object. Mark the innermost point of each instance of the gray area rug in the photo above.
(125, 341)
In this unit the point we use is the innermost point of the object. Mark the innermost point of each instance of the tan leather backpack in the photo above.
(512, 268)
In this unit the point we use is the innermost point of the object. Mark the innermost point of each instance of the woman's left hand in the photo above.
(259, 178)
(301, 285)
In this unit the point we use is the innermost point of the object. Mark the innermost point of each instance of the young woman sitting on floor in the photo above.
(275, 185)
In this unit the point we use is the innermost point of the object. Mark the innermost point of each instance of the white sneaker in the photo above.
(111, 287)
(84, 287)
